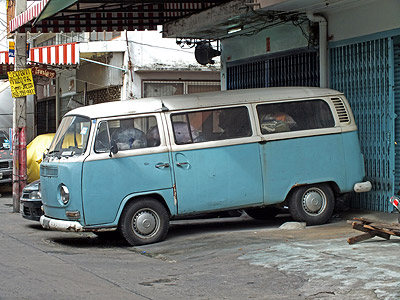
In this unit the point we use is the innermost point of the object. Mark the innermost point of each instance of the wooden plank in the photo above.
(361, 227)
(365, 220)
(393, 226)
(360, 238)
(373, 228)
(380, 229)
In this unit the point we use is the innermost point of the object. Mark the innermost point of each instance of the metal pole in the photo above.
(58, 103)
(19, 118)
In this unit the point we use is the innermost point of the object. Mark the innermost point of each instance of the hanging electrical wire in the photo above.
(159, 47)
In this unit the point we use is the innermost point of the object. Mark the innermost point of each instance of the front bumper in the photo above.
(362, 187)
(5, 176)
(31, 210)
(60, 225)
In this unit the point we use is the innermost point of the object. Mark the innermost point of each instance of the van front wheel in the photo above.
(144, 221)
(312, 204)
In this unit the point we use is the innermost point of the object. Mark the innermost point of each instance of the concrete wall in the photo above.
(150, 51)
(98, 76)
(157, 58)
(363, 18)
(187, 75)
(284, 37)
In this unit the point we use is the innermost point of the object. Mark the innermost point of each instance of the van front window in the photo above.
(71, 137)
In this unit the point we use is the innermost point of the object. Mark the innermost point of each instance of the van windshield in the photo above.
(71, 137)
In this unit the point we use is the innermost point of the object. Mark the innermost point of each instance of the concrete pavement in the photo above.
(226, 258)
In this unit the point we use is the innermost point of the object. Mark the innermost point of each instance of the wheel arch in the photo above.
(332, 184)
(136, 197)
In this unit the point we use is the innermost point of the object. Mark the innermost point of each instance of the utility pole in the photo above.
(19, 117)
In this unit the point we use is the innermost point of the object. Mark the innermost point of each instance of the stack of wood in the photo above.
(373, 228)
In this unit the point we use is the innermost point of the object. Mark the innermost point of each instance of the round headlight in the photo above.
(35, 195)
(64, 192)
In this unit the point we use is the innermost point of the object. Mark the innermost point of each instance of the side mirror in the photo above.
(45, 153)
(114, 148)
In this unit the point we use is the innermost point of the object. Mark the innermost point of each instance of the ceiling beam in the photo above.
(202, 24)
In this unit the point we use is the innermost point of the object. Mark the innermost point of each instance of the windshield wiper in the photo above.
(53, 151)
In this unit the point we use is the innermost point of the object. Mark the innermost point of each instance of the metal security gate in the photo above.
(362, 72)
(396, 59)
(299, 69)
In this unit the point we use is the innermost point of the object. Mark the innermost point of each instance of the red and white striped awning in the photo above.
(6, 63)
(64, 54)
(104, 15)
(4, 59)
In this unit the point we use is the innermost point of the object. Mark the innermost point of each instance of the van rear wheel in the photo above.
(312, 204)
(144, 221)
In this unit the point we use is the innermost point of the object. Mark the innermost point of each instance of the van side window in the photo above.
(132, 133)
(211, 125)
(294, 116)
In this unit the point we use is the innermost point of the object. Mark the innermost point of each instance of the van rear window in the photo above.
(294, 116)
(211, 125)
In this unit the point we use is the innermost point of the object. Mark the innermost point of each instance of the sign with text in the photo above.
(11, 49)
(21, 83)
(43, 72)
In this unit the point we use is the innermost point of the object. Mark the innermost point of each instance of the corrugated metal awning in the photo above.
(104, 15)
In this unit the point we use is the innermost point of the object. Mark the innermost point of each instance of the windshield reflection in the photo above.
(71, 137)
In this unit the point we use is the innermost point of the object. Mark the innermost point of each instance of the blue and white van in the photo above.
(131, 166)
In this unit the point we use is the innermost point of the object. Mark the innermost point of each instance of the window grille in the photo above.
(301, 69)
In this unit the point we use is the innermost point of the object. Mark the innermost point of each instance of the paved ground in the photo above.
(226, 258)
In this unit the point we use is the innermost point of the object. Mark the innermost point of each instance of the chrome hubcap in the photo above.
(314, 201)
(146, 223)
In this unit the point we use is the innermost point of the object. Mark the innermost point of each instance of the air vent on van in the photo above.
(341, 110)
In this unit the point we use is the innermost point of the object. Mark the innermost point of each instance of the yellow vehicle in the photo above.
(34, 154)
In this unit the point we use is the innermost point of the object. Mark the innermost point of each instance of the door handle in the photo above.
(182, 164)
(162, 165)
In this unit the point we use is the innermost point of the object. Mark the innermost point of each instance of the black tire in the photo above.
(312, 204)
(265, 213)
(144, 221)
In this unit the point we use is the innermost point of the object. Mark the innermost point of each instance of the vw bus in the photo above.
(131, 166)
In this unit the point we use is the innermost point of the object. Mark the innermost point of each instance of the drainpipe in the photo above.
(323, 47)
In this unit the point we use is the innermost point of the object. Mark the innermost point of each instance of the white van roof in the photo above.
(200, 100)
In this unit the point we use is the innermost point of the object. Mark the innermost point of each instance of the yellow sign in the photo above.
(21, 83)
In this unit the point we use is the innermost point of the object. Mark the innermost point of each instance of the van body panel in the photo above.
(166, 194)
(291, 162)
(117, 177)
(354, 160)
(218, 178)
(52, 176)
